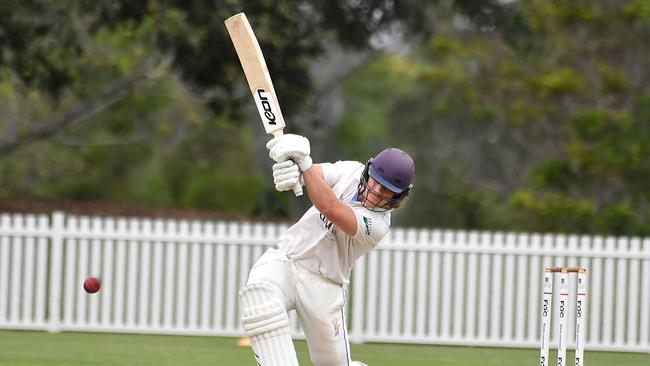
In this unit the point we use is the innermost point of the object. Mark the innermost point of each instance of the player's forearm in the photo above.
(320, 193)
(326, 202)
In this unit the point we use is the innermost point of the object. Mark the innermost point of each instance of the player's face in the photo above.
(376, 195)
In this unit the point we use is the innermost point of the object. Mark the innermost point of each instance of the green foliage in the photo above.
(559, 82)
(553, 136)
(521, 115)
(371, 99)
(150, 147)
(638, 11)
(178, 136)
(554, 174)
(613, 80)
(552, 212)
(563, 213)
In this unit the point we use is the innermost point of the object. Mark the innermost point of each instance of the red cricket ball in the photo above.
(91, 285)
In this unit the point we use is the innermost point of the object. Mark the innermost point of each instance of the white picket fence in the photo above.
(418, 286)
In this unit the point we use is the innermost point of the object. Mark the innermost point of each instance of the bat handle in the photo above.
(297, 189)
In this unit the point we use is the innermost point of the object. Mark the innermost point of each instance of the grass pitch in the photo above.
(30, 348)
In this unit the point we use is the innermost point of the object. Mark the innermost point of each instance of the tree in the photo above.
(545, 130)
(142, 101)
(47, 46)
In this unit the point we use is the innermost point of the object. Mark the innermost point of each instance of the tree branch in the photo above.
(107, 96)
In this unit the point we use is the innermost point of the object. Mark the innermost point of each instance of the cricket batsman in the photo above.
(352, 206)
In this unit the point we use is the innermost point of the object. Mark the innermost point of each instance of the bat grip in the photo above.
(297, 189)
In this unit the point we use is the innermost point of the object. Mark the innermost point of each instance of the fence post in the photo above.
(56, 256)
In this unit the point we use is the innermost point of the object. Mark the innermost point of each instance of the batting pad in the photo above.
(266, 323)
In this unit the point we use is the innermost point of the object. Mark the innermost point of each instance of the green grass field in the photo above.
(26, 348)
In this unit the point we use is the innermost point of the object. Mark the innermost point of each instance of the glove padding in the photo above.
(294, 147)
(286, 175)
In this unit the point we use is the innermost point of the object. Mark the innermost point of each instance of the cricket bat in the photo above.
(258, 77)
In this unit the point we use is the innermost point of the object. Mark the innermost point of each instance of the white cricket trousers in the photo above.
(317, 301)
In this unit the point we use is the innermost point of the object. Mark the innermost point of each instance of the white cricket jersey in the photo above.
(318, 245)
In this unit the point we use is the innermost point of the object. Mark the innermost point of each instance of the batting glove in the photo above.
(294, 147)
(286, 175)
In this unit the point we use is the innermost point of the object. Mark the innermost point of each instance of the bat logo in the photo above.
(266, 107)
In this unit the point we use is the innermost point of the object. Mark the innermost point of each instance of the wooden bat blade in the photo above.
(257, 74)
(258, 77)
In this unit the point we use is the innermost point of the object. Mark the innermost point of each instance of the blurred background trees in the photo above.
(520, 115)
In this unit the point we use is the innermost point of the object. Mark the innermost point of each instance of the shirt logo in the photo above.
(368, 222)
(337, 326)
(327, 223)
